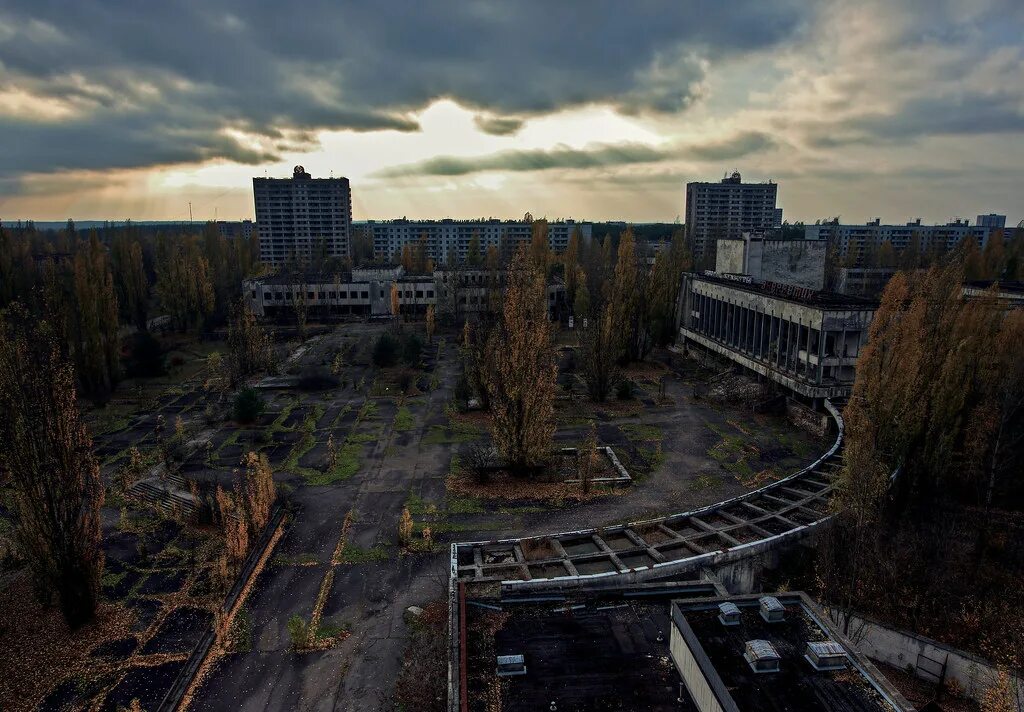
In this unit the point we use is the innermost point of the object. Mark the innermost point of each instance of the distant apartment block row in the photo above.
(447, 237)
(860, 238)
(304, 216)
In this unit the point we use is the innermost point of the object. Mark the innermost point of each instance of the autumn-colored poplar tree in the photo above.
(395, 303)
(599, 353)
(571, 266)
(183, 284)
(249, 346)
(130, 280)
(540, 250)
(46, 456)
(519, 369)
(474, 257)
(623, 297)
(94, 335)
(430, 323)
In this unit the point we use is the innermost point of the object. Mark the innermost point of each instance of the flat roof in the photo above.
(798, 295)
(719, 653)
(602, 651)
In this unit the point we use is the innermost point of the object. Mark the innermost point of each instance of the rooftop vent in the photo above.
(771, 610)
(510, 665)
(728, 613)
(761, 655)
(826, 655)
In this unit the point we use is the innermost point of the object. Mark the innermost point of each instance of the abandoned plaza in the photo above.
(716, 472)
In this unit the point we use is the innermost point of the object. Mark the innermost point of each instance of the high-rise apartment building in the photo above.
(303, 216)
(726, 210)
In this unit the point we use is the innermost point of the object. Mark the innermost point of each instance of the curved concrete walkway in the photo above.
(656, 548)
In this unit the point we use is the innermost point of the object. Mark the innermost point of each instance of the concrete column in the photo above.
(821, 355)
(807, 364)
(753, 346)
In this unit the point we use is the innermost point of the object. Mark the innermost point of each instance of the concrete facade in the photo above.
(864, 281)
(800, 263)
(806, 341)
(301, 215)
(367, 292)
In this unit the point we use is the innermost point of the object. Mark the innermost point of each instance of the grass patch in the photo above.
(464, 505)
(305, 559)
(455, 433)
(331, 629)
(349, 460)
(404, 419)
(640, 431)
(241, 632)
(369, 410)
(356, 555)
(703, 482)
(278, 423)
(418, 506)
(364, 437)
(298, 450)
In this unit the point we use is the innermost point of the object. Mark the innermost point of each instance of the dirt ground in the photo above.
(339, 566)
(695, 453)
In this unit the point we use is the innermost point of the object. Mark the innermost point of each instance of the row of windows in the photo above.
(287, 296)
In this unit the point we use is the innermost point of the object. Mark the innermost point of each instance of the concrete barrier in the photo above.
(923, 657)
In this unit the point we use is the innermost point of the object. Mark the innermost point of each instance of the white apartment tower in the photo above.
(303, 215)
(726, 210)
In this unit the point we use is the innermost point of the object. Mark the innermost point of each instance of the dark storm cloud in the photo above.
(535, 160)
(736, 146)
(599, 156)
(963, 115)
(498, 125)
(152, 83)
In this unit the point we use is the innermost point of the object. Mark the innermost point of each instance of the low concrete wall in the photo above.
(913, 653)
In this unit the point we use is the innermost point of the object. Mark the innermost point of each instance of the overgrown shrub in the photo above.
(463, 391)
(412, 348)
(624, 391)
(477, 460)
(145, 356)
(405, 381)
(385, 351)
(298, 631)
(248, 406)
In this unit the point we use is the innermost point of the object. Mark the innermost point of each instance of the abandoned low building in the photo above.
(365, 292)
(659, 647)
(791, 658)
(805, 340)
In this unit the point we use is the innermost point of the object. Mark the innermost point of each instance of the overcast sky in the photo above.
(590, 109)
